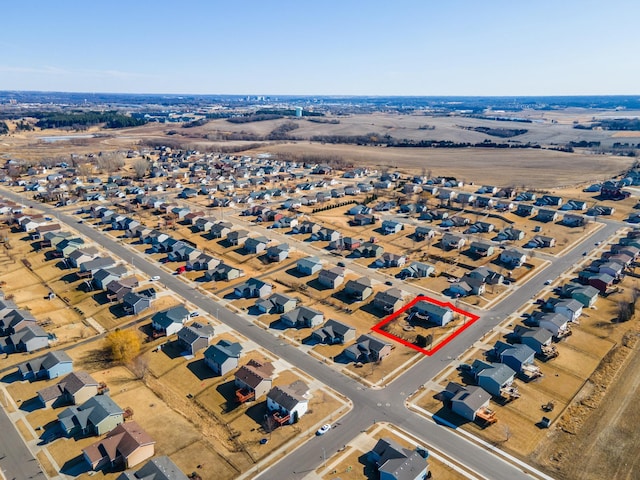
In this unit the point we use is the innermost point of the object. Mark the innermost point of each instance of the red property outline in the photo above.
(472, 318)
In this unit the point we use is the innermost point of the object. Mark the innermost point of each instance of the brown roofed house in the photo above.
(253, 380)
(125, 446)
(76, 388)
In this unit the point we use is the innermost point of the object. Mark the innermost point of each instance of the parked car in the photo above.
(323, 429)
(194, 314)
(155, 278)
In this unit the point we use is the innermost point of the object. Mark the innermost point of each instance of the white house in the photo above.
(288, 403)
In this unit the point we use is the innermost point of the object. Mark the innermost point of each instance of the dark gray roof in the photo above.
(520, 351)
(333, 328)
(397, 462)
(190, 333)
(159, 468)
(498, 372)
(472, 396)
(288, 396)
(44, 362)
(300, 314)
(91, 412)
(172, 315)
(223, 350)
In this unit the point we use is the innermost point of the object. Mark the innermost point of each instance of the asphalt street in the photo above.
(370, 405)
(16, 460)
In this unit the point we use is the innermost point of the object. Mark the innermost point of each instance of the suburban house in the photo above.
(390, 260)
(13, 319)
(369, 250)
(134, 303)
(525, 210)
(537, 338)
(97, 416)
(481, 249)
(493, 377)
(368, 349)
(170, 321)
(253, 380)
(467, 285)
(541, 241)
(468, 401)
(513, 258)
(359, 289)
(514, 356)
(237, 238)
(388, 301)
(487, 275)
(277, 303)
(601, 281)
(424, 233)
(394, 462)
(302, 317)
(546, 216)
(510, 234)
(76, 388)
(126, 446)
(104, 276)
(218, 230)
(278, 253)
(253, 288)
(424, 310)
(570, 308)
(613, 269)
(223, 356)
(288, 403)
(556, 323)
(30, 338)
(480, 227)
(256, 244)
(195, 337)
(451, 242)
(334, 332)
(159, 468)
(50, 365)
(203, 262)
(389, 227)
(331, 277)
(585, 294)
(223, 272)
(571, 220)
(308, 265)
(417, 270)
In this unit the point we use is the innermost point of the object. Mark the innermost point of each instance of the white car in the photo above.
(155, 278)
(194, 314)
(323, 429)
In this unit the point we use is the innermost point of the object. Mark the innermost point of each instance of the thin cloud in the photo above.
(51, 70)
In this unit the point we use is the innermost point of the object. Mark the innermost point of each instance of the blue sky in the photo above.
(327, 47)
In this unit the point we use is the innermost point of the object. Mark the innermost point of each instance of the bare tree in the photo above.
(623, 311)
(139, 366)
(140, 167)
(110, 162)
(85, 169)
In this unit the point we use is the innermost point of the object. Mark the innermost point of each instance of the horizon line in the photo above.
(581, 95)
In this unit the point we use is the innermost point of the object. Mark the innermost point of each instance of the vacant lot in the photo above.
(532, 168)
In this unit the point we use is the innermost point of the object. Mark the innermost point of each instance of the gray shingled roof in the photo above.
(288, 396)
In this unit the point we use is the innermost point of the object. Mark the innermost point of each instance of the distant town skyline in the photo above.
(248, 47)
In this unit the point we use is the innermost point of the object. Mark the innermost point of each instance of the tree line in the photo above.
(111, 119)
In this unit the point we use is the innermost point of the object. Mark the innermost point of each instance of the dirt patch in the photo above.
(595, 435)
